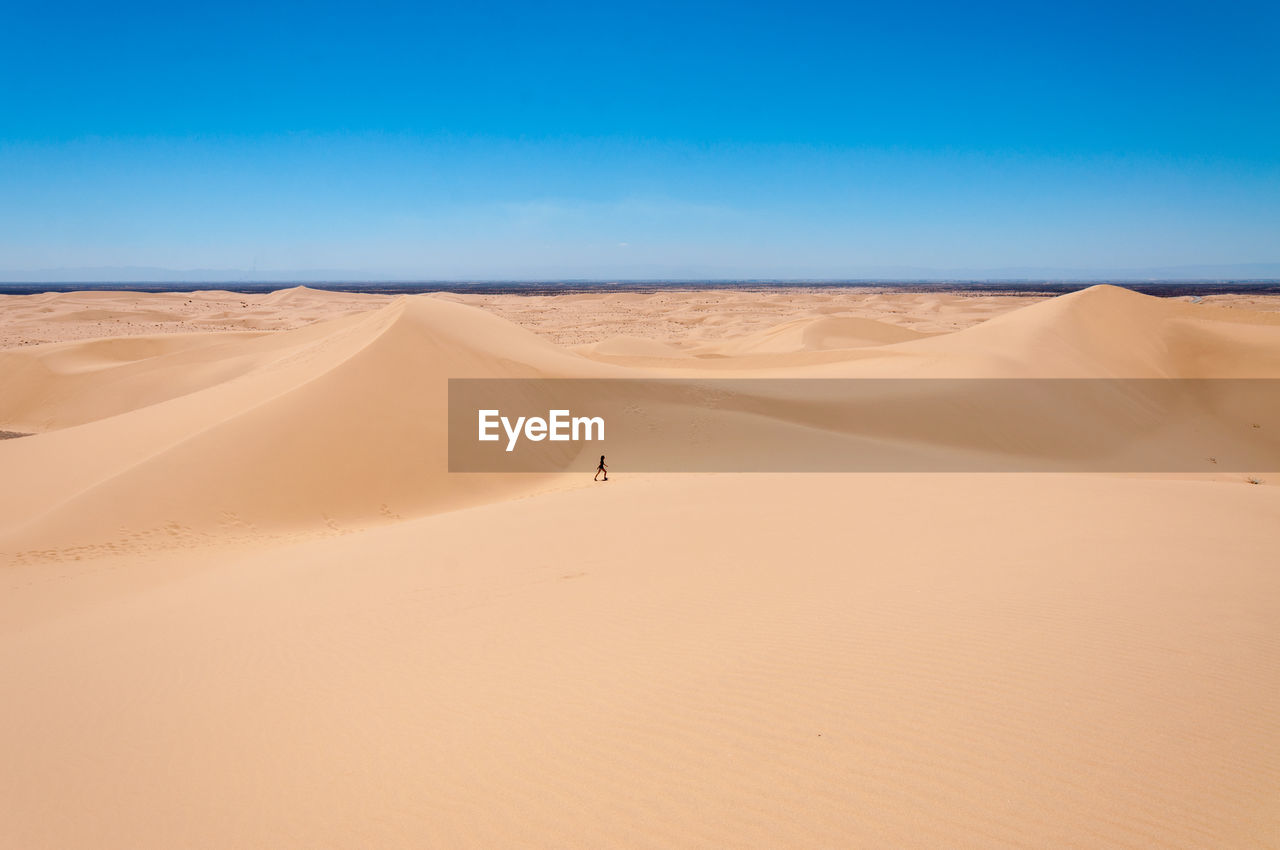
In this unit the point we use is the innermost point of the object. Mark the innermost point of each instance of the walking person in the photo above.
(601, 468)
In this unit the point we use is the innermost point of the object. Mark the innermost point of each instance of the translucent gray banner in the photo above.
(865, 425)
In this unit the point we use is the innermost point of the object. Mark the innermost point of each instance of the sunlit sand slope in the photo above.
(765, 661)
(245, 605)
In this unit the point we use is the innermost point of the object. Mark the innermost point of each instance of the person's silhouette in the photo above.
(601, 468)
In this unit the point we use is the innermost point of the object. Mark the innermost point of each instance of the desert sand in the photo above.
(246, 605)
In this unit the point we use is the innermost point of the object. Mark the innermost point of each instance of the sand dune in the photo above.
(685, 318)
(760, 662)
(633, 347)
(1106, 331)
(210, 431)
(1100, 332)
(825, 333)
(246, 605)
(258, 447)
(59, 317)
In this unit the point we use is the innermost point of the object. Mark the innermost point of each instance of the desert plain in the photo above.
(245, 604)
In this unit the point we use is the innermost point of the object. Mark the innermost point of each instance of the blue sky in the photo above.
(659, 140)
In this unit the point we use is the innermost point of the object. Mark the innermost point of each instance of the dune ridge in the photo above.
(218, 428)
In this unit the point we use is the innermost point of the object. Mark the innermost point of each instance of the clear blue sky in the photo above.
(737, 139)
